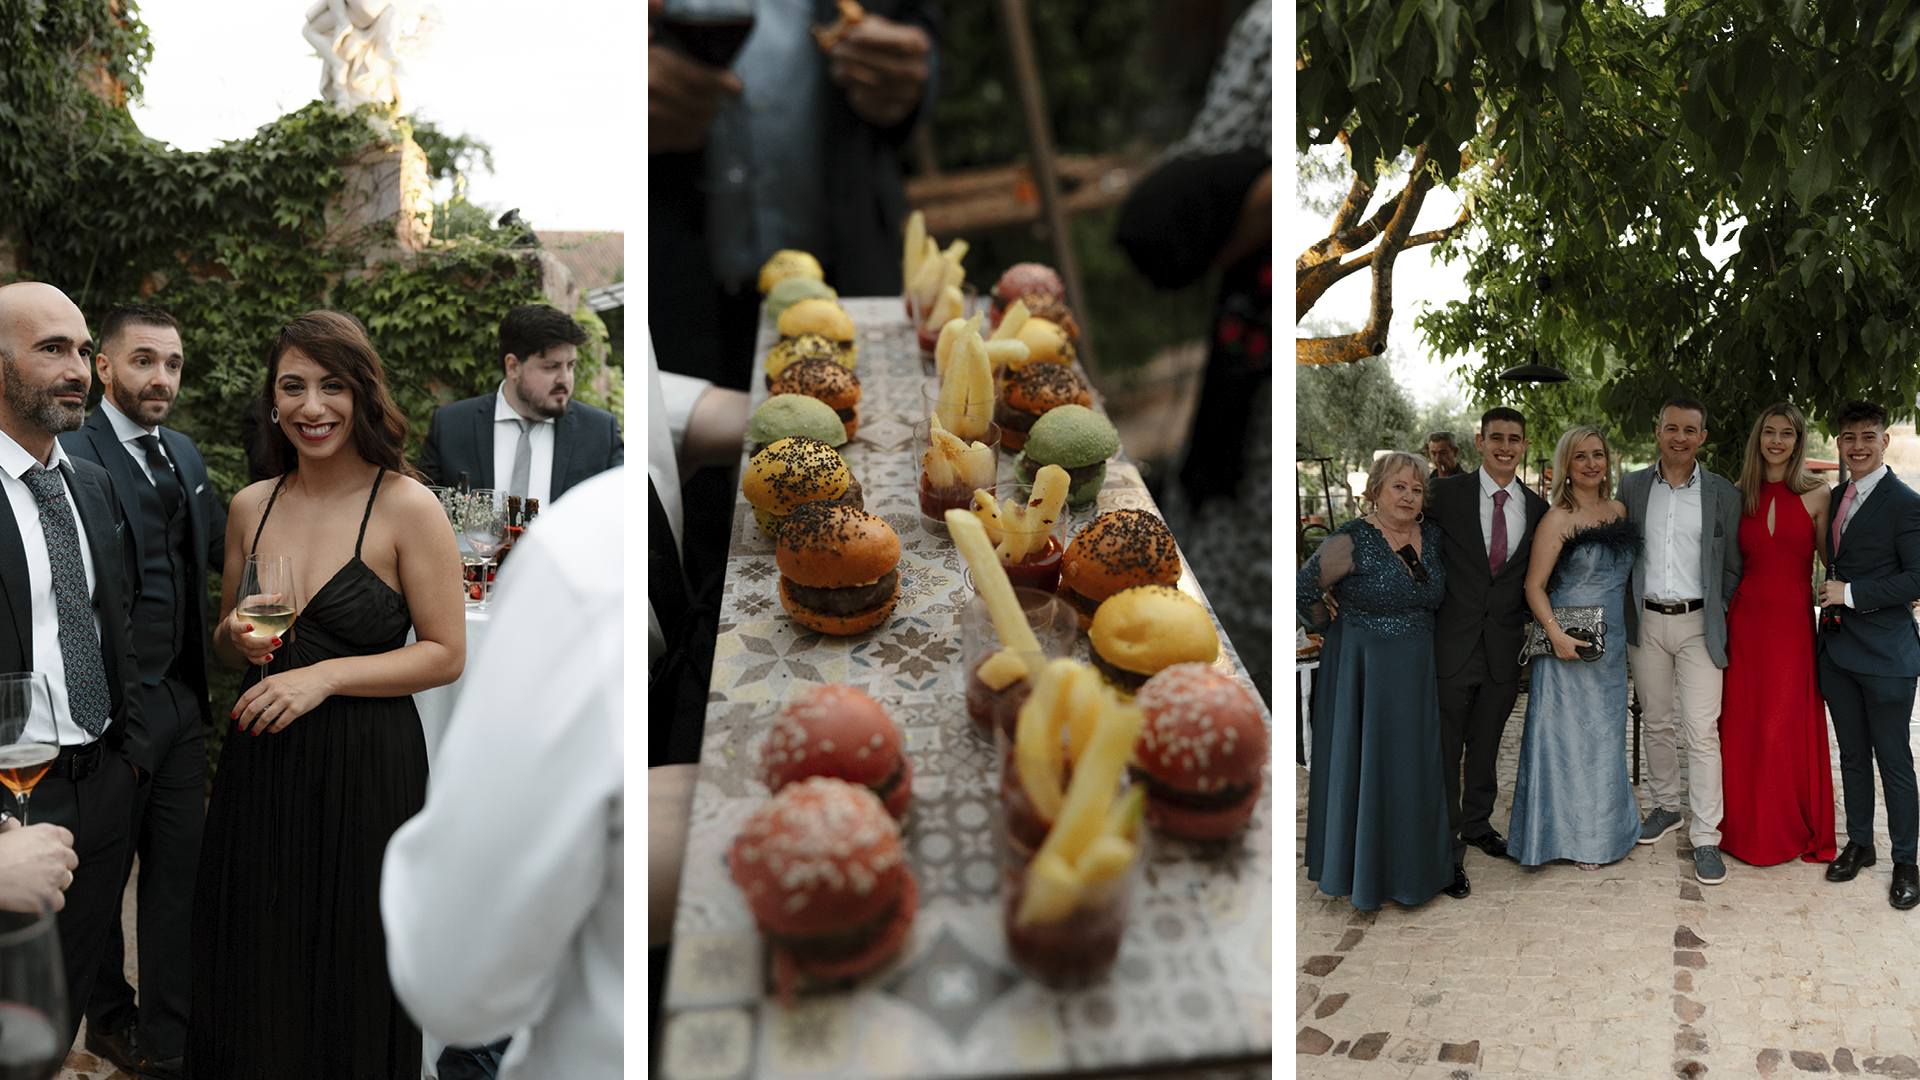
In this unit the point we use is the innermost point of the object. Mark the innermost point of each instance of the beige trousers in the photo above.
(1671, 665)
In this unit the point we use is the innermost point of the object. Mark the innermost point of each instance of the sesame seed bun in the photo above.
(839, 731)
(1203, 747)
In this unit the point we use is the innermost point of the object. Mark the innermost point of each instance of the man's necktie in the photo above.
(1497, 551)
(522, 459)
(164, 479)
(87, 700)
(1840, 516)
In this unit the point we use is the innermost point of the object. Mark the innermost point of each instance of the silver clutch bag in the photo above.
(1587, 624)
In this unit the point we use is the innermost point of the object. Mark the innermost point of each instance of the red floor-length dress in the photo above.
(1773, 727)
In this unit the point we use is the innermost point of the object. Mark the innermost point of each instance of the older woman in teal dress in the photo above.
(1376, 805)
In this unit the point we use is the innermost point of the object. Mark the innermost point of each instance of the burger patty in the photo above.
(1075, 476)
(855, 496)
(1012, 419)
(848, 600)
(885, 787)
(838, 944)
(1202, 801)
(847, 414)
(1080, 602)
(1131, 681)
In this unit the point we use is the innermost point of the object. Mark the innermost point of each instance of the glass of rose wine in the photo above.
(27, 749)
(268, 598)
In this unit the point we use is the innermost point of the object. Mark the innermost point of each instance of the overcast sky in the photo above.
(543, 83)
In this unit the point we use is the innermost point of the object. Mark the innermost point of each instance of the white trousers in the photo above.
(1671, 667)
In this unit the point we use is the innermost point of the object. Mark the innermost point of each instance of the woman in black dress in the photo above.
(328, 759)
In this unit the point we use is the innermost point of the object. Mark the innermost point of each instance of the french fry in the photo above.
(949, 335)
(947, 307)
(956, 251)
(1011, 320)
(976, 466)
(1002, 669)
(1027, 526)
(988, 511)
(915, 247)
(1090, 796)
(1086, 701)
(1036, 736)
(1008, 355)
(1009, 619)
(1053, 890)
(943, 450)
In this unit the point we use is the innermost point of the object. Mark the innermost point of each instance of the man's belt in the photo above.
(78, 762)
(1678, 607)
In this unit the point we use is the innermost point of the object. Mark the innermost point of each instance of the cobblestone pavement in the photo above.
(1634, 970)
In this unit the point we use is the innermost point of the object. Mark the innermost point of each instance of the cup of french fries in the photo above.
(964, 411)
(1027, 524)
(996, 685)
(952, 468)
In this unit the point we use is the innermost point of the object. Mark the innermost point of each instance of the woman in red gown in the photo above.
(1773, 728)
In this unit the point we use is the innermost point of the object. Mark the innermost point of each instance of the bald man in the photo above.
(68, 614)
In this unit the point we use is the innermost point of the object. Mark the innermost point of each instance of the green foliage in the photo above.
(1347, 411)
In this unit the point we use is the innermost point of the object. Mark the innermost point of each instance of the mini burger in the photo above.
(1121, 549)
(839, 731)
(783, 416)
(1023, 280)
(791, 472)
(826, 879)
(1029, 393)
(788, 263)
(813, 317)
(1078, 440)
(838, 568)
(834, 386)
(1142, 631)
(1200, 753)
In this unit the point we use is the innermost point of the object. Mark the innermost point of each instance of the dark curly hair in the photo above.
(338, 343)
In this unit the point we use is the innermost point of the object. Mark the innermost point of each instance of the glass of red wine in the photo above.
(711, 31)
(33, 997)
(28, 742)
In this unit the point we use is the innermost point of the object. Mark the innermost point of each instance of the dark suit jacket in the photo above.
(1879, 557)
(586, 442)
(1479, 604)
(96, 441)
(108, 543)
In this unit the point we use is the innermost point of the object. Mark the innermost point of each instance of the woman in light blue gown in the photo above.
(1573, 799)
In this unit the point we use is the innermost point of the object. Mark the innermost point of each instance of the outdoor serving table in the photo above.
(1193, 983)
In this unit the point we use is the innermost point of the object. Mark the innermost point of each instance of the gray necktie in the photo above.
(522, 459)
(87, 699)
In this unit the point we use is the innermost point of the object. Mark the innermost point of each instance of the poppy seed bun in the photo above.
(831, 546)
(825, 380)
(1203, 747)
(785, 415)
(1121, 549)
(838, 731)
(820, 856)
(1148, 628)
(816, 316)
(790, 472)
(789, 351)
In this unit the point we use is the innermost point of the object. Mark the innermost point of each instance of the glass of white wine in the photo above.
(27, 749)
(268, 598)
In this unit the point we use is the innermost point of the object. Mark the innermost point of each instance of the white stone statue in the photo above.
(362, 44)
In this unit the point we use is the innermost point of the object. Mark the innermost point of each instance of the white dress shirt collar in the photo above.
(125, 428)
(1693, 477)
(15, 460)
(1490, 486)
(1864, 486)
(504, 410)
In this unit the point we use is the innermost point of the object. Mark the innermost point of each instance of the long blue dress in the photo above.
(1573, 798)
(1376, 801)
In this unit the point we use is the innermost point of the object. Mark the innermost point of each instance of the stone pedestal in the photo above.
(385, 198)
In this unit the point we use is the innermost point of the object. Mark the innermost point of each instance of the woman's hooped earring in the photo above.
(275, 417)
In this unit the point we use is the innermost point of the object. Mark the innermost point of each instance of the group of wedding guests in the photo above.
(1705, 593)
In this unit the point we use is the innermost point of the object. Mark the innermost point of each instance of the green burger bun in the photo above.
(785, 415)
(1078, 440)
(792, 289)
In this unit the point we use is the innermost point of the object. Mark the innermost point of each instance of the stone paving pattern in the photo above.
(1634, 970)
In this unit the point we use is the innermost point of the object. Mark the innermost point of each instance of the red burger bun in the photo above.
(1203, 747)
(841, 732)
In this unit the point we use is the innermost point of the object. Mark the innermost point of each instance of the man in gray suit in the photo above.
(1677, 624)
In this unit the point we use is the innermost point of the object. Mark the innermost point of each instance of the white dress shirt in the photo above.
(1673, 539)
(670, 402)
(504, 915)
(14, 463)
(506, 440)
(1862, 488)
(128, 431)
(1516, 511)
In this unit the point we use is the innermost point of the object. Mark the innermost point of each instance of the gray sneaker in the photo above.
(1658, 824)
(1708, 868)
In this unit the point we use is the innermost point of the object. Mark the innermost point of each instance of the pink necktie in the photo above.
(1497, 551)
(1846, 500)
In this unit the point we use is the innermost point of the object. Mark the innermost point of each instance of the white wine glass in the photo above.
(268, 597)
(27, 749)
(33, 996)
(482, 529)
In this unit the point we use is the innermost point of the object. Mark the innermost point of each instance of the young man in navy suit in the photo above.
(178, 532)
(1869, 649)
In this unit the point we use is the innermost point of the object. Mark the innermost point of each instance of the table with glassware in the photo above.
(1193, 981)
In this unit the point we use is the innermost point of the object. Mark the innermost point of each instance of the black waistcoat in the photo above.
(160, 614)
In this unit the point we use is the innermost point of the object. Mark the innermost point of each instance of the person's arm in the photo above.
(1253, 229)
(1817, 504)
(1546, 551)
(716, 427)
(36, 866)
(1729, 515)
(231, 642)
(1902, 587)
(885, 67)
(429, 565)
(683, 94)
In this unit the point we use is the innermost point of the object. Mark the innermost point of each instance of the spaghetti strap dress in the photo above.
(289, 958)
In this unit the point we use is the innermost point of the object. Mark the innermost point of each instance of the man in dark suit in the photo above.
(1869, 650)
(1487, 517)
(179, 531)
(65, 610)
(528, 438)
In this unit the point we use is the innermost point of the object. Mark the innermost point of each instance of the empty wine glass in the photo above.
(27, 749)
(482, 530)
(33, 996)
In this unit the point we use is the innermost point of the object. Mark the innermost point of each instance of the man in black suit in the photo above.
(1487, 517)
(1869, 649)
(529, 437)
(67, 613)
(179, 531)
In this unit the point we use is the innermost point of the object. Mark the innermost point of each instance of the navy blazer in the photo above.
(1879, 557)
(96, 441)
(107, 542)
(586, 443)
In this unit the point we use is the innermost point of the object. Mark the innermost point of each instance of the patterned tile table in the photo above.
(1193, 984)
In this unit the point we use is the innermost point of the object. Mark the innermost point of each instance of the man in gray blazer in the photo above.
(1677, 624)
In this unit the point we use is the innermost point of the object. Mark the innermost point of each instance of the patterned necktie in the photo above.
(522, 459)
(1497, 551)
(164, 479)
(80, 654)
(1840, 517)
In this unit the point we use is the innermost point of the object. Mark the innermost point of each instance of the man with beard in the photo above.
(63, 573)
(178, 531)
(529, 437)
